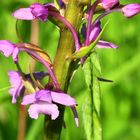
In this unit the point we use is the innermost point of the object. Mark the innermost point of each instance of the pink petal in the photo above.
(63, 99)
(16, 84)
(43, 108)
(24, 14)
(15, 54)
(39, 11)
(105, 44)
(44, 95)
(107, 4)
(28, 99)
(6, 47)
(94, 32)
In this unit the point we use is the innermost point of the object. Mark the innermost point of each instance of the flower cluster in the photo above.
(42, 99)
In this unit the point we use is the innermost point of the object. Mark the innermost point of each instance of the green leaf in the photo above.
(36, 130)
(88, 104)
(56, 4)
(92, 100)
(87, 49)
(5, 88)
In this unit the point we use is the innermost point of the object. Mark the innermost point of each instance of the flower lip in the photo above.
(43, 108)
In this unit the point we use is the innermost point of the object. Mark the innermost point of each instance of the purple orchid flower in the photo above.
(42, 103)
(131, 10)
(108, 4)
(35, 11)
(18, 88)
(94, 32)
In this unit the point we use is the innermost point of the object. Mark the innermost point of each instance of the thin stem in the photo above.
(34, 80)
(20, 71)
(68, 24)
(5, 88)
(22, 123)
(34, 39)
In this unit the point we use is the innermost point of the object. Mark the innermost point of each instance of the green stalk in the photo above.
(62, 65)
(66, 43)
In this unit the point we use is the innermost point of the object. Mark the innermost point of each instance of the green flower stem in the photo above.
(62, 65)
(66, 44)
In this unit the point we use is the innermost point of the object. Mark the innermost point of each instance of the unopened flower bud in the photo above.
(131, 10)
(108, 4)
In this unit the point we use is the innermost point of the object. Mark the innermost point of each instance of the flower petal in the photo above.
(40, 75)
(39, 11)
(15, 54)
(44, 95)
(6, 47)
(24, 14)
(17, 86)
(94, 32)
(43, 108)
(63, 99)
(29, 99)
(105, 44)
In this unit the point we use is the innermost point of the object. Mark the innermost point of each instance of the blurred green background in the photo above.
(120, 99)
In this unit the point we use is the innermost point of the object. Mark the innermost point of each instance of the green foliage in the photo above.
(91, 105)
